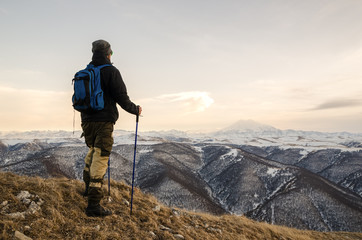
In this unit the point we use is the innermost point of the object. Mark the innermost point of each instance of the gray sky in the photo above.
(192, 65)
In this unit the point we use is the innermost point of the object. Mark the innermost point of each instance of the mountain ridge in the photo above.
(240, 125)
(56, 199)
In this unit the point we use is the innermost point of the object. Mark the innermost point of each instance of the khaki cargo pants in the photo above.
(99, 139)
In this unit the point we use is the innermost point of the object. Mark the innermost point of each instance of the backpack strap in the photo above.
(91, 66)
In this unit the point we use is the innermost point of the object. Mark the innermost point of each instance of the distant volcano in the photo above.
(249, 126)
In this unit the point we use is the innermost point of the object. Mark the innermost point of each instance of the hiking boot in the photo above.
(94, 208)
(97, 211)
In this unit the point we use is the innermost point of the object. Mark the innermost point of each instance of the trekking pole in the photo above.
(134, 161)
(109, 179)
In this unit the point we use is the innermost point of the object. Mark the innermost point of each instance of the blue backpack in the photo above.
(88, 93)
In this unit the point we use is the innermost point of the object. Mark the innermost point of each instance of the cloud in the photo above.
(190, 102)
(339, 103)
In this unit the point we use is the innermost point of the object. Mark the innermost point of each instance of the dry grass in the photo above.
(62, 217)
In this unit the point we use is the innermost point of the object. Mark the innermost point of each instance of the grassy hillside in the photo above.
(61, 216)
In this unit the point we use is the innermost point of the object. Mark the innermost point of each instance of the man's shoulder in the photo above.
(111, 67)
(104, 64)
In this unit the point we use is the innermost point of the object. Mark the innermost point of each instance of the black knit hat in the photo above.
(101, 46)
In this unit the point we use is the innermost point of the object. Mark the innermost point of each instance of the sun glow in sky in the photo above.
(191, 65)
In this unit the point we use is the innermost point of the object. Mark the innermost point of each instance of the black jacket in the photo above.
(114, 92)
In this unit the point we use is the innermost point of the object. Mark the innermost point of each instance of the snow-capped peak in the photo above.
(248, 126)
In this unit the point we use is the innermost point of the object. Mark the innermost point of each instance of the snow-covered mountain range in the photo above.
(243, 132)
(307, 180)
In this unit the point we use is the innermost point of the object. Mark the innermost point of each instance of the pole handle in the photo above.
(138, 113)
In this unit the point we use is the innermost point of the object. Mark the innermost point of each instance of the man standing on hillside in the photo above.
(98, 127)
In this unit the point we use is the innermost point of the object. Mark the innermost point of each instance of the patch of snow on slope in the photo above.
(272, 171)
(198, 149)
(230, 154)
(145, 150)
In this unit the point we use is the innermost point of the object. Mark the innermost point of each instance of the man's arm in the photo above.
(119, 93)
